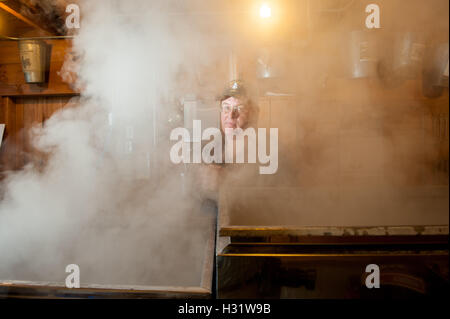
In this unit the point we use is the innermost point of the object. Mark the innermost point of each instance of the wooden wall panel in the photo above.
(20, 114)
(12, 81)
(7, 150)
(32, 117)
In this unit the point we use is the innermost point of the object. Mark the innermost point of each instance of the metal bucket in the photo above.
(33, 57)
(402, 58)
(435, 73)
(409, 49)
(362, 54)
(437, 64)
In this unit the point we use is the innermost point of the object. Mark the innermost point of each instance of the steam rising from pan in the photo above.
(109, 199)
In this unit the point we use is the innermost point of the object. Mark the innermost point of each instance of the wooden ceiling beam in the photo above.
(49, 13)
(6, 6)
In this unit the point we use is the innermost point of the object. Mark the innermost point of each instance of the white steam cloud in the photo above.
(106, 198)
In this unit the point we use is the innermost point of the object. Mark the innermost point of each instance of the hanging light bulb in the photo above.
(265, 11)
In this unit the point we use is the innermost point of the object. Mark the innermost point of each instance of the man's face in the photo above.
(234, 113)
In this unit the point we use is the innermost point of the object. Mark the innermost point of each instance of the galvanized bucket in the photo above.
(402, 57)
(409, 50)
(362, 54)
(33, 57)
(435, 72)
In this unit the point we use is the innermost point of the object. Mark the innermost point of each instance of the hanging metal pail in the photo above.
(33, 57)
(409, 50)
(435, 71)
(362, 54)
(401, 58)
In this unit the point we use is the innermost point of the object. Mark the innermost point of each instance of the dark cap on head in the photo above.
(234, 89)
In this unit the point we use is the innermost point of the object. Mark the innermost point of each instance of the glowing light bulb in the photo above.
(265, 11)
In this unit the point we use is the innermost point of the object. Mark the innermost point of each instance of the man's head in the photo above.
(234, 112)
(236, 109)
